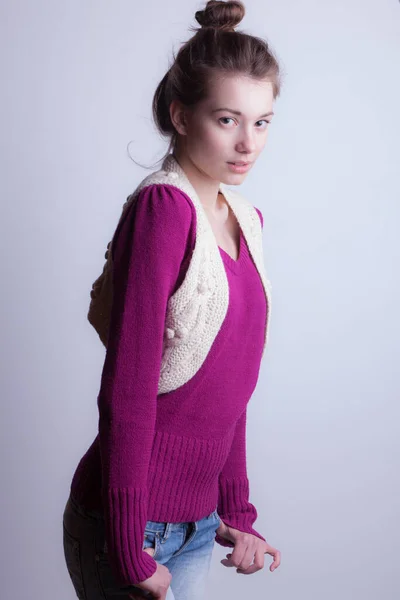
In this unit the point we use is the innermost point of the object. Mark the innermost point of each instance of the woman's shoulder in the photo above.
(167, 199)
(159, 212)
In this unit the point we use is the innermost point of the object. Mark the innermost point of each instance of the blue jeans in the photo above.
(184, 548)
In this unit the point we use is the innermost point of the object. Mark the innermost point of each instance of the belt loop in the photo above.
(166, 533)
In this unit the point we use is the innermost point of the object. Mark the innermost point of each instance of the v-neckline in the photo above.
(234, 265)
(239, 249)
(229, 258)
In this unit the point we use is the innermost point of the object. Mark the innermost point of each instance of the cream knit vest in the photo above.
(196, 310)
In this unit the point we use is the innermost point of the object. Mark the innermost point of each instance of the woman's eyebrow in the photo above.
(237, 112)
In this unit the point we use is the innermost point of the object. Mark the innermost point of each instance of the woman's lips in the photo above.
(239, 168)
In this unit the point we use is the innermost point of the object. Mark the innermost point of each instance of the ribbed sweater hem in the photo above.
(184, 484)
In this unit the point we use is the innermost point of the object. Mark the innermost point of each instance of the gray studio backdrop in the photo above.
(323, 430)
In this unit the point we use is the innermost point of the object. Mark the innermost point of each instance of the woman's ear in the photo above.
(178, 116)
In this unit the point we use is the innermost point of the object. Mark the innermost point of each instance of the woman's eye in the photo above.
(226, 119)
(231, 119)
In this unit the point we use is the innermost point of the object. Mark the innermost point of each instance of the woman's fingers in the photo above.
(277, 558)
(259, 559)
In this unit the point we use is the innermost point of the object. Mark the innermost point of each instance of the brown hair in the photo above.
(215, 47)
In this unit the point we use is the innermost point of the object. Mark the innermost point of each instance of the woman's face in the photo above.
(215, 136)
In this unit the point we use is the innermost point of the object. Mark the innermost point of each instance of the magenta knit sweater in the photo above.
(173, 457)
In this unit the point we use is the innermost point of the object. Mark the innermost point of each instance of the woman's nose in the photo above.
(247, 144)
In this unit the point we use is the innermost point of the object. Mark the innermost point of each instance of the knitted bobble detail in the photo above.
(170, 333)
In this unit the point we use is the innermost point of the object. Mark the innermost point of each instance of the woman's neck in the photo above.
(207, 189)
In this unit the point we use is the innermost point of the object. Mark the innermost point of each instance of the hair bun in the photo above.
(221, 15)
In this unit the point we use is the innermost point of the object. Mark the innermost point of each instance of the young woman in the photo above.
(183, 308)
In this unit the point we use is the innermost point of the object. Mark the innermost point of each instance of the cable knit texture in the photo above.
(174, 456)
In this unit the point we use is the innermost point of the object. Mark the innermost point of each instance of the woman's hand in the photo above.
(155, 586)
(248, 547)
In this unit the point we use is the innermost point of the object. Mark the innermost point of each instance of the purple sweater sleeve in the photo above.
(234, 506)
(148, 249)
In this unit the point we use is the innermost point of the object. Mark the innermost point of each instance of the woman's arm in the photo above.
(147, 255)
(234, 506)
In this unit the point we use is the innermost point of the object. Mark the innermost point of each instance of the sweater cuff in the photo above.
(125, 522)
(235, 509)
